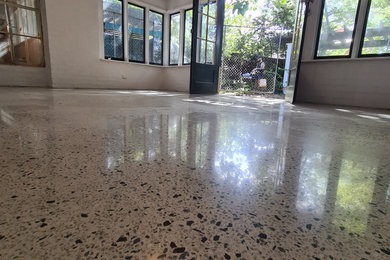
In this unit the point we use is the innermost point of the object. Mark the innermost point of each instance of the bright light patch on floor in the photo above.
(384, 116)
(369, 117)
(344, 110)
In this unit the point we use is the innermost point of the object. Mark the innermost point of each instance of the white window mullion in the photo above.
(147, 9)
(181, 37)
(125, 32)
(166, 36)
(359, 28)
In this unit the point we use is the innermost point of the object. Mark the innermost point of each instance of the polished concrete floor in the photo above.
(152, 175)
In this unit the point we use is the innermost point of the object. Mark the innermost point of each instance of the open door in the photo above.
(296, 54)
(207, 33)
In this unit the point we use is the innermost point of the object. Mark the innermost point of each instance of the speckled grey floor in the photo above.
(153, 175)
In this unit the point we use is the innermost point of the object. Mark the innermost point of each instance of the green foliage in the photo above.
(241, 7)
(378, 20)
(260, 27)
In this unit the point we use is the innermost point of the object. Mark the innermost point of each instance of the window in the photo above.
(187, 37)
(174, 41)
(156, 21)
(136, 33)
(207, 35)
(21, 33)
(337, 28)
(376, 38)
(113, 29)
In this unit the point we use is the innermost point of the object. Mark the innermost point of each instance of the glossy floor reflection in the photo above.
(156, 175)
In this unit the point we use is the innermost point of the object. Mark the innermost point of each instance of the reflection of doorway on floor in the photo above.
(262, 28)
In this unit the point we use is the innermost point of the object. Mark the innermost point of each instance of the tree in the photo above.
(253, 26)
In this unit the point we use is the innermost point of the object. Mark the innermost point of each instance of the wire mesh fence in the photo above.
(235, 64)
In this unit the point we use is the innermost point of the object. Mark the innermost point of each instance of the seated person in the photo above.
(256, 73)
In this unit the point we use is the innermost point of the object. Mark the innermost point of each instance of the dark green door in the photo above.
(208, 18)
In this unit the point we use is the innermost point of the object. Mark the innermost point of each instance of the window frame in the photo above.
(127, 28)
(170, 38)
(316, 57)
(123, 35)
(184, 35)
(162, 38)
(360, 53)
(38, 11)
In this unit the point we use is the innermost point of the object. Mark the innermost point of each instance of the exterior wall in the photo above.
(363, 82)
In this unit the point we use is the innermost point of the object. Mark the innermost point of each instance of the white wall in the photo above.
(355, 81)
(175, 5)
(177, 78)
(76, 44)
(75, 50)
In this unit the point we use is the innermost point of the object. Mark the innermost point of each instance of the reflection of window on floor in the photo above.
(313, 182)
(238, 156)
(21, 33)
(354, 194)
(388, 194)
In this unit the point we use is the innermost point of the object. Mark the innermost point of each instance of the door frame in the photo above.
(218, 44)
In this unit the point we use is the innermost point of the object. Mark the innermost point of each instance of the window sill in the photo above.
(132, 63)
(177, 66)
(144, 64)
(347, 59)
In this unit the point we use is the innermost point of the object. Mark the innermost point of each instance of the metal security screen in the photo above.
(156, 37)
(235, 65)
(113, 29)
(136, 32)
(174, 41)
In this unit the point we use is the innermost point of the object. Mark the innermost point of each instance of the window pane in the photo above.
(212, 30)
(27, 51)
(188, 37)
(337, 27)
(136, 33)
(203, 25)
(23, 21)
(203, 6)
(5, 50)
(377, 34)
(201, 57)
(210, 53)
(29, 3)
(20, 34)
(113, 29)
(213, 9)
(3, 19)
(155, 37)
(175, 39)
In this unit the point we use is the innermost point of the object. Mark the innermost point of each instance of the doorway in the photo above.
(249, 47)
